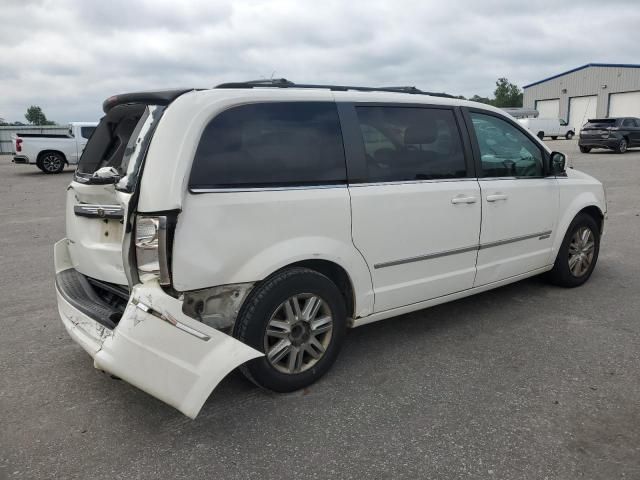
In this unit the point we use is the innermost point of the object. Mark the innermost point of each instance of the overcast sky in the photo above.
(69, 55)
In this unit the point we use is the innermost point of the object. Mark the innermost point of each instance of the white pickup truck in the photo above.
(52, 152)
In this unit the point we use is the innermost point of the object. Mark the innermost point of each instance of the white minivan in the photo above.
(253, 223)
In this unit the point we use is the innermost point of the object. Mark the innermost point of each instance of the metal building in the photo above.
(593, 90)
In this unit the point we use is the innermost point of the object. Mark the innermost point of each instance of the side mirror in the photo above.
(558, 163)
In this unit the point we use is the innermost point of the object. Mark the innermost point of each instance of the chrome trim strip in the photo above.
(393, 263)
(540, 235)
(411, 182)
(264, 189)
(169, 319)
(425, 257)
(99, 211)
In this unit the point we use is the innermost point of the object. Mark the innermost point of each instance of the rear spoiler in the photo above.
(160, 97)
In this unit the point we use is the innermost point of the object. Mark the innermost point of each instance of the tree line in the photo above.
(34, 115)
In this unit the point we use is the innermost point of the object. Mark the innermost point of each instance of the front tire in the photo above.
(51, 162)
(297, 318)
(622, 146)
(569, 135)
(541, 135)
(578, 253)
(585, 149)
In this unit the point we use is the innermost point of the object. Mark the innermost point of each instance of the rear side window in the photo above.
(410, 143)
(271, 144)
(86, 132)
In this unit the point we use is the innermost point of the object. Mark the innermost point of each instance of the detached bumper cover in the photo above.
(154, 346)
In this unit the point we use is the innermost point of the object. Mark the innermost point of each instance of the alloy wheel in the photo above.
(581, 250)
(298, 333)
(51, 163)
(623, 146)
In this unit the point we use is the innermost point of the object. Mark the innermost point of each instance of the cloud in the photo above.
(69, 55)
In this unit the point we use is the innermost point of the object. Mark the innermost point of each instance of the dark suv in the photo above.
(616, 134)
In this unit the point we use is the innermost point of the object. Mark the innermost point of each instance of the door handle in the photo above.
(495, 197)
(462, 199)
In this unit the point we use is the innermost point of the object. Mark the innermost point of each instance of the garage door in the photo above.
(582, 109)
(624, 104)
(548, 108)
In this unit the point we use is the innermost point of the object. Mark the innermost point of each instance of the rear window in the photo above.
(601, 123)
(120, 141)
(271, 144)
(109, 141)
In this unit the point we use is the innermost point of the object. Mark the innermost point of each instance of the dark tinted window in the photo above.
(86, 131)
(601, 123)
(408, 143)
(505, 150)
(628, 122)
(271, 144)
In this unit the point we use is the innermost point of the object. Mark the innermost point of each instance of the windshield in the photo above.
(118, 145)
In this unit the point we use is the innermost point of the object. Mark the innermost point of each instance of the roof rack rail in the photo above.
(284, 83)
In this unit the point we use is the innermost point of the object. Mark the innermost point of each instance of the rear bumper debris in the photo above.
(153, 346)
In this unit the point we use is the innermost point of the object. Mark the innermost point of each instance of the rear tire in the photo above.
(300, 336)
(51, 162)
(578, 253)
(569, 135)
(585, 149)
(540, 135)
(622, 146)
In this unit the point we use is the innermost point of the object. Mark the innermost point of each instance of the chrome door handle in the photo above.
(461, 199)
(495, 197)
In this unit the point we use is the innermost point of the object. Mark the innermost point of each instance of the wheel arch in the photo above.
(594, 212)
(336, 273)
(586, 203)
(51, 150)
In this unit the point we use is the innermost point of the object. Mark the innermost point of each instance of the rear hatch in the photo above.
(597, 128)
(102, 195)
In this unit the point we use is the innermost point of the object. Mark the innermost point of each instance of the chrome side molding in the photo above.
(541, 236)
(99, 211)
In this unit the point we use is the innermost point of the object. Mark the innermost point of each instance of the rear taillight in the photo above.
(18, 144)
(152, 248)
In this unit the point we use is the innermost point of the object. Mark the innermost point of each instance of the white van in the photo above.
(548, 127)
(252, 224)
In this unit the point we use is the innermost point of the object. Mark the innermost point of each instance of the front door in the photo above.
(519, 204)
(416, 216)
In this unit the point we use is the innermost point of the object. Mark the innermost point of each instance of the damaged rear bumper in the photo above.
(154, 346)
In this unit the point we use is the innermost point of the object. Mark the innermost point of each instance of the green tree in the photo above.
(507, 94)
(35, 116)
(478, 98)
